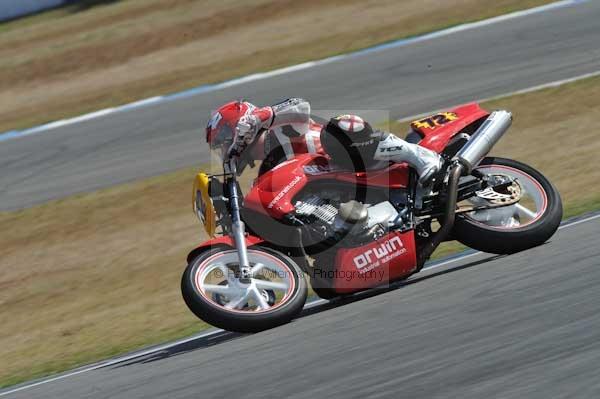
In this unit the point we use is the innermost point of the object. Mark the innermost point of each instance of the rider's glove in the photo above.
(247, 128)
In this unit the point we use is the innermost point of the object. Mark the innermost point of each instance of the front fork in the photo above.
(238, 228)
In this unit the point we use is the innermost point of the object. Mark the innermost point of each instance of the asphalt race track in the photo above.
(417, 78)
(521, 326)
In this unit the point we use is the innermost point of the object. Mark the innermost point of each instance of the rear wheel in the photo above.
(274, 294)
(525, 224)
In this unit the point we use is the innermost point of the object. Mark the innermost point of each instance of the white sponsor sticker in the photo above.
(379, 255)
(283, 192)
(316, 169)
(214, 120)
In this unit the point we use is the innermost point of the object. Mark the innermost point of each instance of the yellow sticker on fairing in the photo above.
(434, 121)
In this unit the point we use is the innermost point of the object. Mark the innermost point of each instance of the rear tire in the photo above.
(507, 240)
(246, 321)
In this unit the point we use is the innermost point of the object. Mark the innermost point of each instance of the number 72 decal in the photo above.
(433, 121)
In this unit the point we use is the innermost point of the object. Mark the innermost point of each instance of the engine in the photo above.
(333, 217)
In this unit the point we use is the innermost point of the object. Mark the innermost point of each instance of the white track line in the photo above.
(294, 68)
(576, 222)
(469, 255)
(114, 361)
(312, 304)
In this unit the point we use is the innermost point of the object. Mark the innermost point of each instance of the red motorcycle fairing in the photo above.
(391, 257)
(438, 129)
(393, 176)
(273, 192)
(226, 241)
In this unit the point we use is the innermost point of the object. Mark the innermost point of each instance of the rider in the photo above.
(239, 127)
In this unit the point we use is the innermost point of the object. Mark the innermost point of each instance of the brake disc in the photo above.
(511, 196)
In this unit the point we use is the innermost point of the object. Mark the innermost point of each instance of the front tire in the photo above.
(476, 231)
(213, 292)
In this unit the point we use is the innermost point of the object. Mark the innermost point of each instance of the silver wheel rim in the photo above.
(271, 285)
(530, 208)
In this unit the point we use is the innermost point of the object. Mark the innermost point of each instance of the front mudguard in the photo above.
(225, 241)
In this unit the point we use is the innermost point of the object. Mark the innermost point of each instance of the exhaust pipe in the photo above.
(467, 158)
(482, 141)
(456, 171)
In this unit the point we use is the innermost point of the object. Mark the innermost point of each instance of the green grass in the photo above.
(579, 208)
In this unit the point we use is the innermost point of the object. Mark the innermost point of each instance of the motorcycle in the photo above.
(348, 231)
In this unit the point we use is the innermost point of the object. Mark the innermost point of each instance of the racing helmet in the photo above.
(350, 142)
(220, 130)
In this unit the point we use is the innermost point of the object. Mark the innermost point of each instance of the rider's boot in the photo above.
(426, 162)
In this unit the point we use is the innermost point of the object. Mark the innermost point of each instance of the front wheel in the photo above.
(213, 291)
(508, 229)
